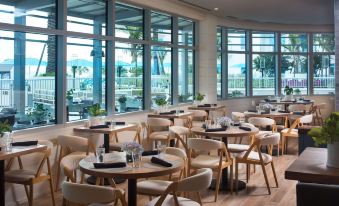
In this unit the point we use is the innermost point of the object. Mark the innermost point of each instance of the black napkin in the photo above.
(273, 110)
(150, 152)
(171, 112)
(283, 111)
(298, 113)
(236, 124)
(99, 126)
(204, 105)
(252, 110)
(180, 111)
(245, 128)
(116, 123)
(216, 129)
(285, 100)
(161, 162)
(307, 100)
(109, 165)
(264, 112)
(26, 143)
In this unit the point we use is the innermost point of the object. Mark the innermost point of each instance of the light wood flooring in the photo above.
(254, 194)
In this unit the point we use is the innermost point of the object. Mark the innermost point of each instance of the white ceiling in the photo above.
(276, 11)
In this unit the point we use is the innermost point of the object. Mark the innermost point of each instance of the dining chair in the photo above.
(70, 148)
(254, 156)
(153, 187)
(116, 145)
(30, 177)
(181, 135)
(197, 118)
(238, 116)
(317, 115)
(201, 180)
(200, 155)
(158, 130)
(91, 194)
(292, 132)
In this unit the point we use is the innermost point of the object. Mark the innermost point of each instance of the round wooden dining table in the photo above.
(146, 170)
(233, 131)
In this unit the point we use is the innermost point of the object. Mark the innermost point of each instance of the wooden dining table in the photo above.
(288, 103)
(208, 109)
(233, 131)
(272, 115)
(146, 170)
(16, 151)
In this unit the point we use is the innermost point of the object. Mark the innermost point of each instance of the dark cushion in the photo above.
(317, 194)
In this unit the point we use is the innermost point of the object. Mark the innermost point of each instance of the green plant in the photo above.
(199, 97)
(4, 127)
(297, 91)
(328, 133)
(160, 102)
(288, 90)
(69, 94)
(236, 93)
(122, 99)
(95, 110)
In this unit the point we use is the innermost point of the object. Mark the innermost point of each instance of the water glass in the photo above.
(100, 151)
(177, 112)
(161, 150)
(137, 159)
(112, 125)
(8, 138)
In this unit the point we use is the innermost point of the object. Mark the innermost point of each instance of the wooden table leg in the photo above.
(132, 192)
(2, 182)
(106, 143)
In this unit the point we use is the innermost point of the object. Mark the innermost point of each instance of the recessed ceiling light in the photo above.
(216, 9)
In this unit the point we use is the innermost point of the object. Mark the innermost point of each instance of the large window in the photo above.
(293, 42)
(219, 56)
(186, 31)
(161, 27)
(186, 75)
(128, 22)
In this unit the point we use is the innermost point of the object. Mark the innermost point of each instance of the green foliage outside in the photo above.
(328, 133)
(160, 102)
(199, 97)
(95, 110)
(288, 90)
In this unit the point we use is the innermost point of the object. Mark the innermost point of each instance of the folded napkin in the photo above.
(273, 110)
(245, 128)
(286, 101)
(270, 100)
(252, 110)
(150, 152)
(283, 111)
(116, 123)
(167, 112)
(298, 113)
(99, 126)
(203, 105)
(161, 162)
(236, 124)
(180, 111)
(109, 165)
(307, 100)
(216, 129)
(25, 143)
(264, 112)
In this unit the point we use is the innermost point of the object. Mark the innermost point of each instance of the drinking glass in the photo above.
(8, 137)
(137, 159)
(161, 149)
(112, 125)
(100, 151)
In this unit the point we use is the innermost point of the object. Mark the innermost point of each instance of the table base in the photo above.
(224, 187)
(92, 180)
(2, 182)
(132, 192)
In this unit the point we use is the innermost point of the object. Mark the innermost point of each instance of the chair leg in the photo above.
(217, 183)
(231, 178)
(26, 190)
(274, 174)
(52, 191)
(57, 177)
(30, 199)
(282, 144)
(199, 198)
(247, 172)
(266, 179)
(236, 178)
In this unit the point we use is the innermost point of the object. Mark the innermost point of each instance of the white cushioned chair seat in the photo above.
(237, 148)
(159, 135)
(20, 175)
(169, 201)
(152, 187)
(180, 130)
(293, 131)
(255, 156)
(205, 161)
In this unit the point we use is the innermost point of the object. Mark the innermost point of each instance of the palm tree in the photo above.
(136, 49)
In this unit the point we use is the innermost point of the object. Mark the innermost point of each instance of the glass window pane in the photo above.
(128, 77)
(294, 42)
(27, 79)
(128, 22)
(237, 75)
(236, 40)
(161, 27)
(85, 76)
(324, 74)
(186, 72)
(38, 13)
(263, 42)
(86, 16)
(294, 72)
(219, 39)
(186, 31)
(323, 42)
(219, 75)
(263, 74)
(161, 66)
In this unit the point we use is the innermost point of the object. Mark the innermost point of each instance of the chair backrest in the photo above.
(307, 119)
(198, 115)
(297, 108)
(294, 125)
(204, 144)
(87, 194)
(269, 139)
(73, 143)
(45, 157)
(176, 152)
(238, 116)
(69, 165)
(199, 181)
(262, 122)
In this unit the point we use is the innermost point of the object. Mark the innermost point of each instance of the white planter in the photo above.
(333, 155)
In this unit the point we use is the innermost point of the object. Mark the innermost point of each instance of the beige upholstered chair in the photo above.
(116, 145)
(197, 118)
(193, 184)
(158, 130)
(30, 177)
(238, 116)
(91, 194)
(258, 158)
(71, 147)
(69, 166)
(181, 134)
(158, 187)
(297, 108)
(198, 157)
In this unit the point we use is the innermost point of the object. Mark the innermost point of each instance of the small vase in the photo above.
(333, 155)
(123, 107)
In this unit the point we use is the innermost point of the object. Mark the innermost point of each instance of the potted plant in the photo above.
(122, 101)
(288, 92)
(297, 91)
(329, 134)
(95, 112)
(4, 127)
(199, 98)
(38, 114)
(161, 103)
(69, 96)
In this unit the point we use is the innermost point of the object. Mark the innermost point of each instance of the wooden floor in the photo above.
(254, 194)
